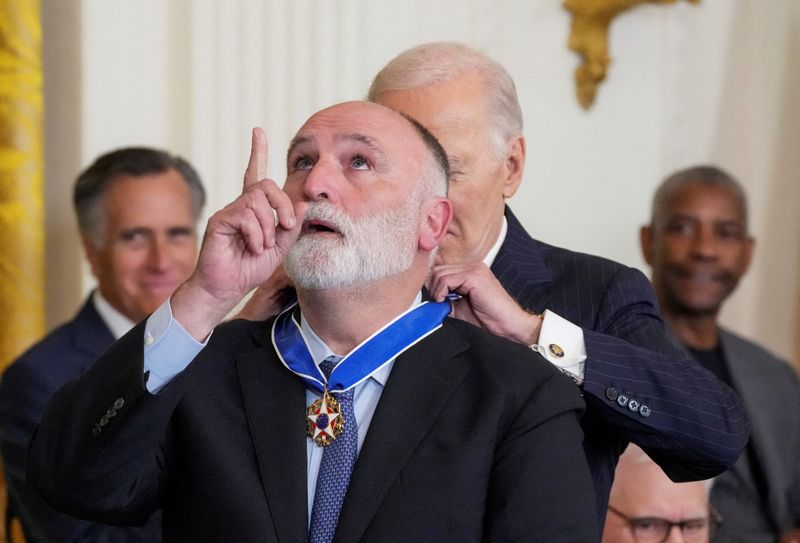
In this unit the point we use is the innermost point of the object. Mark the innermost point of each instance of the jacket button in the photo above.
(622, 400)
(103, 421)
(118, 403)
(96, 430)
(633, 405)
(611, 393)
(111, 413)
(644, 410)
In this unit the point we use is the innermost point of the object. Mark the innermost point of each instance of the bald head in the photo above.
(376, 119)
(641, 490)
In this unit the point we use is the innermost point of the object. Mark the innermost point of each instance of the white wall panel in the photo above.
(712, 82)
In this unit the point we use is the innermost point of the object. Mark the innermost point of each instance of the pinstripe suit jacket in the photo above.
(639, 385)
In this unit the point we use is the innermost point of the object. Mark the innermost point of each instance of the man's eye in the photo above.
(681, 228)
(180, 233)
(644, 526)
(730, 232)
(303, 163)
(698, 525)
(359, 163)
(132, 236)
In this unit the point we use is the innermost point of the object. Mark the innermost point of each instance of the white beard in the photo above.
(370, 248)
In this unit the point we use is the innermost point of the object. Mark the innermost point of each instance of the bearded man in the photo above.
(361, 413)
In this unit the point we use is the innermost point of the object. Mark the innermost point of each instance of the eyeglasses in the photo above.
(657, 530)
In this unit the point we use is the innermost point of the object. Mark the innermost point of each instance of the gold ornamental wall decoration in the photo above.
(589, 38)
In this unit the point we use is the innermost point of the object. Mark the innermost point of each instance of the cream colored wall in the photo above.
(689, 83)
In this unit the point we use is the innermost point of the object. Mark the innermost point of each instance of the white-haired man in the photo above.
(594, 319)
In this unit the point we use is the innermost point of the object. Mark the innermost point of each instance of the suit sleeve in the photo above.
(639, 382)
(23, 396)
(103, 433)
(540, 487)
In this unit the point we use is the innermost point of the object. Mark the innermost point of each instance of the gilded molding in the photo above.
(589, 38)
(21, 179)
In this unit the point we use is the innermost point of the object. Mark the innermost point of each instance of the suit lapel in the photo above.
(418, 389)
(521, 268)
(274, 401)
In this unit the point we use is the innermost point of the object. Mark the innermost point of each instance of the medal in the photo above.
(324, 420)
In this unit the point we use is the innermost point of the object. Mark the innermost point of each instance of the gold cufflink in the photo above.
(556, 350)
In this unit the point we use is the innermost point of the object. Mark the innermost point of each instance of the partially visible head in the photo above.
(437, 63)
(697, 242)
(137, 211)
(375, 183)
(643, 497)
(469, 102)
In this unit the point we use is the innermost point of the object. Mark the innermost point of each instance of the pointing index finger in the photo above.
(257, 166)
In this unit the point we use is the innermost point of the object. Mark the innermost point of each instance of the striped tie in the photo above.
(335, 468)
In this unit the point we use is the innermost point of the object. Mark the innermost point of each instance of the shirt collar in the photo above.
(492, 254)
(118, 323)
(320, 351)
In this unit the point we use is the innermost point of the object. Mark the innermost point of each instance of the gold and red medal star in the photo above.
(324, 421)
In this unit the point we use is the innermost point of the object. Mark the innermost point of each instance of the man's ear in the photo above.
(646, 242)
(437, 217)
(514, 165)
(92, 253)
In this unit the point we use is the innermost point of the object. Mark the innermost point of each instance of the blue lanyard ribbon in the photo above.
(367, 358)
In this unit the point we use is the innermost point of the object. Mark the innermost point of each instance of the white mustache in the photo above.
(322, 211)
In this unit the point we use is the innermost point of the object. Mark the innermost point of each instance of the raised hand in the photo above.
(243, 245)
(484, 301)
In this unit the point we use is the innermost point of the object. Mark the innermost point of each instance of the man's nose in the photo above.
(675, 535)
(159, 254)
(704, 243)
(321, 182)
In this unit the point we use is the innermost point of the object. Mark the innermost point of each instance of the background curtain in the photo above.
(21, 173)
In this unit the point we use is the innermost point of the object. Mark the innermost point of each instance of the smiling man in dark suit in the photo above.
(361, 414)
(699, 246)
(137, 210)
(594, 319)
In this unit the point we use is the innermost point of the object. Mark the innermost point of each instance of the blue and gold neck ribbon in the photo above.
(368, 357)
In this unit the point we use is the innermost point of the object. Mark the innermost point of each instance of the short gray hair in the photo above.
(93, 182)
(440, 62)
(705, 175)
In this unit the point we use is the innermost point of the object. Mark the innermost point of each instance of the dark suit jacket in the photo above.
(24, 390)
(770, 392)
(693, 427)
(471, 440)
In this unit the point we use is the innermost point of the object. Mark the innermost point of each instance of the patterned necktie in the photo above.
(335, 468)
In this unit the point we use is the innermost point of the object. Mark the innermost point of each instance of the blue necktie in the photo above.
(335, 468)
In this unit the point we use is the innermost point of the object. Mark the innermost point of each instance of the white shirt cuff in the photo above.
(168, 348)
(562, 344)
